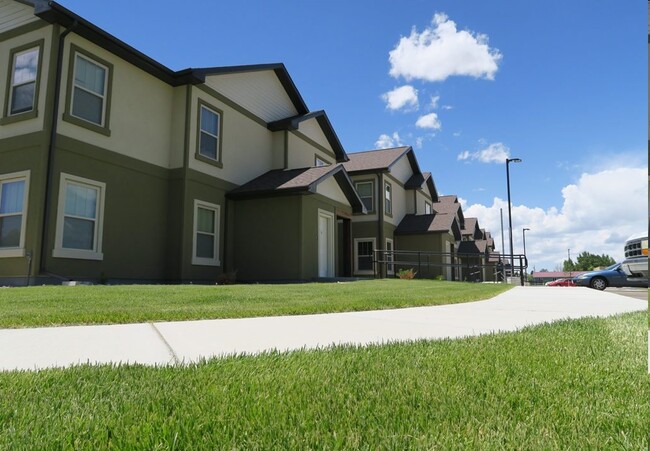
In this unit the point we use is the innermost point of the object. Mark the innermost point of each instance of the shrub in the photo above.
(406, 274)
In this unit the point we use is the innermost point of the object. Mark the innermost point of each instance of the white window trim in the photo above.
(388, 198)
(356, 255)
(13, 84)
(19, 251)
(80, 254)
(201, 261)
(319, 162)
(390, 268)
(216, 137)
(75, 86)
(331, 264)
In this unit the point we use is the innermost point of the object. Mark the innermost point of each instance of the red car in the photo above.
(561, 283)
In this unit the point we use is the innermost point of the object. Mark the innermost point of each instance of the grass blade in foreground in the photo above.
(571, 385)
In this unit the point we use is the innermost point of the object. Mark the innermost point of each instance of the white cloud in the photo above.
(418, 142)
(403, 97)
(434, 102)
(598, 214)
(428, 121)
(447, 107)
(387, 141)
(441, 51)
(494, 153)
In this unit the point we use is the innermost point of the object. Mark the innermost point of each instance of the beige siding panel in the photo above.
(261, 93)
(402, 170)
(247, 147)
(177, 150)
(303, 155)
(140, 114)
(14, 14)
(331, 189)
(421, 201)
(35, 124)
(410, 204)
(311, 129)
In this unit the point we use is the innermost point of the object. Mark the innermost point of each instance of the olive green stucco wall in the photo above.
(267, 238)
(136, 207)
(26, 153)
(276, 238)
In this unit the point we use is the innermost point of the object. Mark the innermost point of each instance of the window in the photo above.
(365, 190)
(13, 200)
(89, 92)
(80, 218)
(24, 72)
(427, 208)
(364, 255)
(389, 257)
(209, 138)
(318, 162)
(206, 234)
(388, 198)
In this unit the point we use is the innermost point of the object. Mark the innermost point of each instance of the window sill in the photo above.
(208, 160)
(12, 253)
(86, 124)
(196, 261)
(19, 117)
(77, 254)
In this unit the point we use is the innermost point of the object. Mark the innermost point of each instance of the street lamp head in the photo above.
(526, 229)
(513, 160)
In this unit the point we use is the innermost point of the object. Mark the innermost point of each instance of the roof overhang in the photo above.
(293, 123)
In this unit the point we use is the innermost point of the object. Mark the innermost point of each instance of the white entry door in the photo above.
(325, 244)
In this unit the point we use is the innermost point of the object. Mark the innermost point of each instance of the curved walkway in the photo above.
(189, 341)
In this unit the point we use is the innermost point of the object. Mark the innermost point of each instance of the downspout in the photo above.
(52, 145)
(380, 223)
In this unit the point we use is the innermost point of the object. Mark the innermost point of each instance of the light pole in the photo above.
(512, 255)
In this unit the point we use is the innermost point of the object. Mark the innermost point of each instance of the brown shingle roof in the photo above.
(450, 198)
(284, 179)
(287, 181)
(373, 160)
(435, 223)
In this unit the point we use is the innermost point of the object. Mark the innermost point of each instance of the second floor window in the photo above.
(388, 198)
(89, 90)
(427, 208)
(364, 190)
(23, 81)
(209, 134)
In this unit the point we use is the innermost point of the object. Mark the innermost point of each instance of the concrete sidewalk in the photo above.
(188, 341)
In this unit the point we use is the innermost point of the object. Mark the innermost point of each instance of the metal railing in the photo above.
(450, 265)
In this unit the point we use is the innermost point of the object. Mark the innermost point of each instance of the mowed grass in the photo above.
(61, 305)
(579, 384)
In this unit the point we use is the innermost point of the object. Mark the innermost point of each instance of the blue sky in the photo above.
(559, 84)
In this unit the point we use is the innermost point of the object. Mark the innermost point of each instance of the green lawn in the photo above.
(571, 385)
(58, 305)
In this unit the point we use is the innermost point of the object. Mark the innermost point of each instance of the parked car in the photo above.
(561, 283)
(613, 276)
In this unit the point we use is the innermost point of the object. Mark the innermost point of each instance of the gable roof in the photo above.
(52, 12)
(472, 247)
(370, 161)
(434, 223)
(281, 182)
(292, 123)
(450, 205)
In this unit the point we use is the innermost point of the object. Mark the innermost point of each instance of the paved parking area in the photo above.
(636, 293)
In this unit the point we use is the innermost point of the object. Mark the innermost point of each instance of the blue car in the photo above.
(613, 276)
